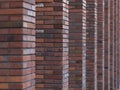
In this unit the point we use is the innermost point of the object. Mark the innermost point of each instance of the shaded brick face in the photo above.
(100, 44)
(52, 44)
(17, 45)
(106, 46)
(75, 45)
(91, 44)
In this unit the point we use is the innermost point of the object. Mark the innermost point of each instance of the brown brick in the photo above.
(17, 45)
(50, 54)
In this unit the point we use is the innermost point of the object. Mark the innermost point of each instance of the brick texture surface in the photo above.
(100, 44)
(111, 44)
(117, 54)
(17, 45)
(75, 45)
(52, 44)
(106, 46)
(75, 49)
(90, 44)
(115, 42)
(108, 85)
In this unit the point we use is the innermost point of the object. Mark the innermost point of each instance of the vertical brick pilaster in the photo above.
(100, 44)
(17, 45)
(106, 46)
(75, 44)
(115, 42)
(90, 45)
(52, 44)
(109, 51)
(111, 44)
(118, 48)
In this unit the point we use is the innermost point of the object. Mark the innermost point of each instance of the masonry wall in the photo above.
(75, 49)
(75, 45)
(98, 36)
(111, 44)
(115, 42)
(100, 44)
(118, 53)
(52, 44)
(117, 34)
(106, 45)
(90, 45)
(17, 45)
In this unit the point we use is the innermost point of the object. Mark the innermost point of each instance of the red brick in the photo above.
(17, 45)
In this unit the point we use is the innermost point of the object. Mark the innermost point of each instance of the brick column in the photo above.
(106, 46)
(115, 41)
(52, 45)
(111, 44)
(100, 44)
(90, 45)
(117, 44)
(17, 45)
(109, 51)
(75, 44)
(118, 48)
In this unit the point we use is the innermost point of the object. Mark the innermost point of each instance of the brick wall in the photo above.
(115, 42)
(94, 33)
(80, 55)
(17, 45)
(106, 45)
(100, 44)
(117, 34)
(90, 45)
(52, 45)
(118, 47)
(111, 43)
(75, 45)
